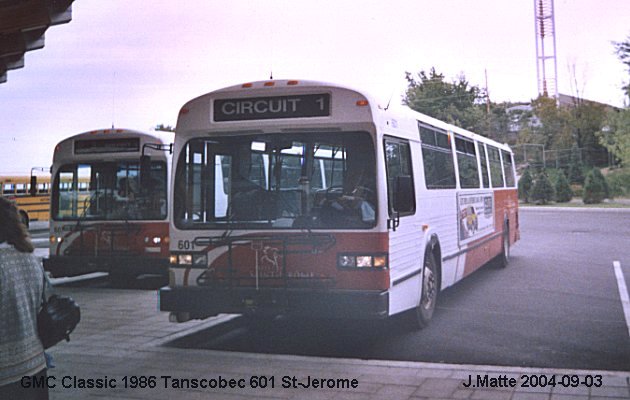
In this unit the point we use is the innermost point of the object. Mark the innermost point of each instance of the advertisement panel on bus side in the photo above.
(476, 215)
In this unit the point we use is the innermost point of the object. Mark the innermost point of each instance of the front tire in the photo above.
(421, 315)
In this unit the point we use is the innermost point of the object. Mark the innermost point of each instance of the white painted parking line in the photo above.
(623, 292)
(93, 275)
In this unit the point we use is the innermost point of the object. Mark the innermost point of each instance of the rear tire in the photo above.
(421, 315)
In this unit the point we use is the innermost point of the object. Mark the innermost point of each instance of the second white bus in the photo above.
(109, 209)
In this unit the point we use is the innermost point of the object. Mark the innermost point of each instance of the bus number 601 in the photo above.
(185, 245)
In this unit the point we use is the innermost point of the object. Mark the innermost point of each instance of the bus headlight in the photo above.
(55, 239)
(154, 239)
(197, 260)
(345, 261)
(362, 261)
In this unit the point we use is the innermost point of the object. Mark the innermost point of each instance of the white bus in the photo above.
(307, 198)
(109, 204)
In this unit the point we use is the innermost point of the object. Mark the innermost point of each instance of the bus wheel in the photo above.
(504, 257)
(423, 312)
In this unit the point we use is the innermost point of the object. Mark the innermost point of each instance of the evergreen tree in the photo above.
(563, 190)
(543, 191)
(595, 187)
(575, 174)
(525, 186)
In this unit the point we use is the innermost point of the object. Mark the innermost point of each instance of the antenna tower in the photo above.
(546, 66)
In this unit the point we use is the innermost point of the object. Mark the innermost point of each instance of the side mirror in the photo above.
(145, 172)
(33, 189)
(403, 194)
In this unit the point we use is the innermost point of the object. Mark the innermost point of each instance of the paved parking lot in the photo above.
(121, 350)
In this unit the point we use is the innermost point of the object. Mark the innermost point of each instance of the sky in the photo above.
(133, 63)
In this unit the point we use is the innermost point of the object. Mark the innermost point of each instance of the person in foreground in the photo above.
(21, 285)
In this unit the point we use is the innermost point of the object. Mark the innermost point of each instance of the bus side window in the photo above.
(507, 169)
(467, 162)
(496, 170)
(484, 164)
(437, 158)
(399, 177)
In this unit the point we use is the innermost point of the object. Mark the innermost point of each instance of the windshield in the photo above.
(109, 191)
(306, 180)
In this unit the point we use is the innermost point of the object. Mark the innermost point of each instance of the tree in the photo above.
(525, 186)
(595, 187)
(456, 103)
(563, 190)
(553, 131)
(543, 191)
(165, 128)
(575, 174)
(497, 123)
(562, 127)
(615, 136)
(623, 52)
(586, 119)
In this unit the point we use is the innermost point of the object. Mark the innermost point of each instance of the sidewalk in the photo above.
(576, 204)
(122, 341)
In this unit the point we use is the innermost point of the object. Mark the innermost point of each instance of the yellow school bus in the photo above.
(32, 203)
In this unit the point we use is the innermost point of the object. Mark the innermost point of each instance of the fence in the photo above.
(536, 156)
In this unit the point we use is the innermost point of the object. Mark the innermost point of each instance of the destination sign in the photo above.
(93, 146)
(273, 107)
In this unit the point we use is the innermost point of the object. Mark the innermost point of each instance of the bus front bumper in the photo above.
(116, 265)
(202, 302)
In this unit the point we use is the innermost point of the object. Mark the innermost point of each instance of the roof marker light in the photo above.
(292, 83)
(270, 83)
(247, 85)
(362, 103)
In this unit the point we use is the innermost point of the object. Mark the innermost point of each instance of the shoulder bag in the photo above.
(57, 318)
